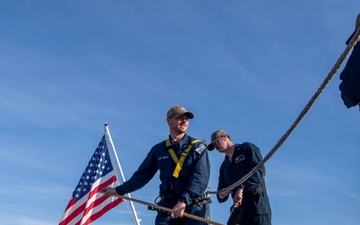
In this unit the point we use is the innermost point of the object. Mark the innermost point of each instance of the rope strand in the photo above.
(306, 109)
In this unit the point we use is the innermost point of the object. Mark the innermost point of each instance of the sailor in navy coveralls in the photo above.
(184, 172)
(250, 196)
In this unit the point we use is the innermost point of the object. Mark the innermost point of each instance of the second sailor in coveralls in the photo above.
(251, 196)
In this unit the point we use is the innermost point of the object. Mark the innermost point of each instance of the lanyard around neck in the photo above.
(179, 162)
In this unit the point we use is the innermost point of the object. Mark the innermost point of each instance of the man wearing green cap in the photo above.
(184, 172)
(250, 197)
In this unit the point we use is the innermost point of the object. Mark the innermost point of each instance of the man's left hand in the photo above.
(108, 191)
(237, 199)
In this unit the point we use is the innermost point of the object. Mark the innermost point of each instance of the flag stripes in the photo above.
(87, 204)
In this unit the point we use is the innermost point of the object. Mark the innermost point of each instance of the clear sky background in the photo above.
(249, 67)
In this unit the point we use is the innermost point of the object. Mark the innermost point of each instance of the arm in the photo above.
(142, 176)
(222, 197)
(350, 79)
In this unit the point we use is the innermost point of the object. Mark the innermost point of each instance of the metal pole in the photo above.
(111, 144)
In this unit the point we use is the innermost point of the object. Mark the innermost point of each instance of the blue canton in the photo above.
(98, 166)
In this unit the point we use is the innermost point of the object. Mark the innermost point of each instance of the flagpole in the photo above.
(109, 140)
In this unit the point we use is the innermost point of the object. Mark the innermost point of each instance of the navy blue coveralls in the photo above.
(255, 203)
(190, 185)
(350, 79)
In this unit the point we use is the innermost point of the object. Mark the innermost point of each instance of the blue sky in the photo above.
(249, 67)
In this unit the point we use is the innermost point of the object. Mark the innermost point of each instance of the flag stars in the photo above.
(98, 166)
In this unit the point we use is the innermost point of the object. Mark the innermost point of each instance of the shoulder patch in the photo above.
(200, 148)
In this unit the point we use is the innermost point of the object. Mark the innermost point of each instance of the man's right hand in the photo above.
(178, 210)
(223, 195)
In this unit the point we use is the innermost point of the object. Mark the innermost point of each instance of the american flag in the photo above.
(86, 204)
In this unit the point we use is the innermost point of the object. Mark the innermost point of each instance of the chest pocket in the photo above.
(179, 162)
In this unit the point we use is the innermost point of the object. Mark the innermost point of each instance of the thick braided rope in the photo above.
(306, 109)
